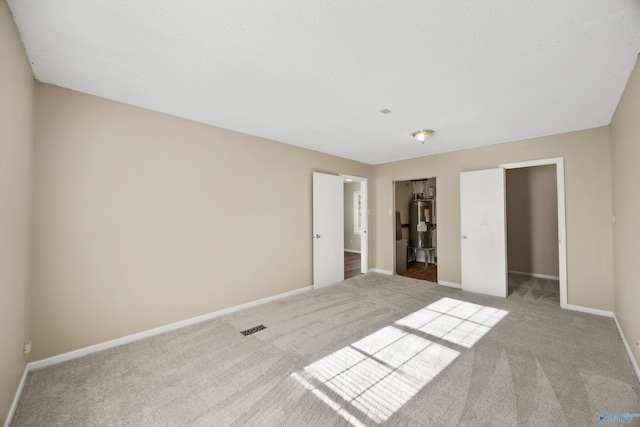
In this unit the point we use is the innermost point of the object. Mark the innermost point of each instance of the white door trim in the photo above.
(562, 224)
(364, 236)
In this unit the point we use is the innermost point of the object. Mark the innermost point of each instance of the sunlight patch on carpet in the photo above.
(374, 377)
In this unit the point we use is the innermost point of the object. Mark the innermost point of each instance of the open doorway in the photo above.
(355, 226)
(488, 254)
(532, 233)
(416, 229)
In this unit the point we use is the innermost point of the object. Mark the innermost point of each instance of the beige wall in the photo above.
(532, 220)
(16, 130)
(143, 219)
(625, 160)
(352, 241)
(587, 171)
(404, 195)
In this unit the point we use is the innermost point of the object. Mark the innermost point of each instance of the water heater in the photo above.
(420, 214)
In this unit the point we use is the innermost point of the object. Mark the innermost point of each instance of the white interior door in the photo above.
(364, 237)
(328, 229)
(483, 232)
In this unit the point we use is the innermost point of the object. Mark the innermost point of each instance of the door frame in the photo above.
(562, 225)
(364, 236)
(435, 211)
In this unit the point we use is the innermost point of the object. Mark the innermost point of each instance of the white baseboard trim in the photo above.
(450, 284)
(315, 288)
(16, 397)
(353, 251)
(589, 310)
(39, 364)
(627, 348)
(540, 276)
(378, 270)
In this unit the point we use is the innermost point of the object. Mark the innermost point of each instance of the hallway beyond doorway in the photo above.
(352, 265)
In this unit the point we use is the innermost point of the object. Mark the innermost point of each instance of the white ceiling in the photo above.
(317, 73)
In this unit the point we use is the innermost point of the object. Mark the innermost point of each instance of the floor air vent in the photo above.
(253, 330)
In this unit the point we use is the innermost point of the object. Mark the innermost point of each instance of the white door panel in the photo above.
(328, 229)
(364, 237)
(483, 232)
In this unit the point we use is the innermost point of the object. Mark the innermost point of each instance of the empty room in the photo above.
(320, 213)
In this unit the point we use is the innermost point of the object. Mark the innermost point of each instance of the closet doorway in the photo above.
(561, 241)
(416, 229)
(532, 233)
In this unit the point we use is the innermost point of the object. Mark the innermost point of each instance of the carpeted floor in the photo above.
(530, 288)
(373, 350)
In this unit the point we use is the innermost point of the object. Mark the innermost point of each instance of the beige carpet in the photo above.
(534, 289)
(373, 350)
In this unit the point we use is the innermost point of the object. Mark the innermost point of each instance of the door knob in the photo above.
(464, 236)
(317, 236)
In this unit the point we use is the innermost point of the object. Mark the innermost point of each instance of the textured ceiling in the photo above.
(317, 73)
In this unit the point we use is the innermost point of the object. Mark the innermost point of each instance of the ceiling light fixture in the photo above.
(423, 135)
